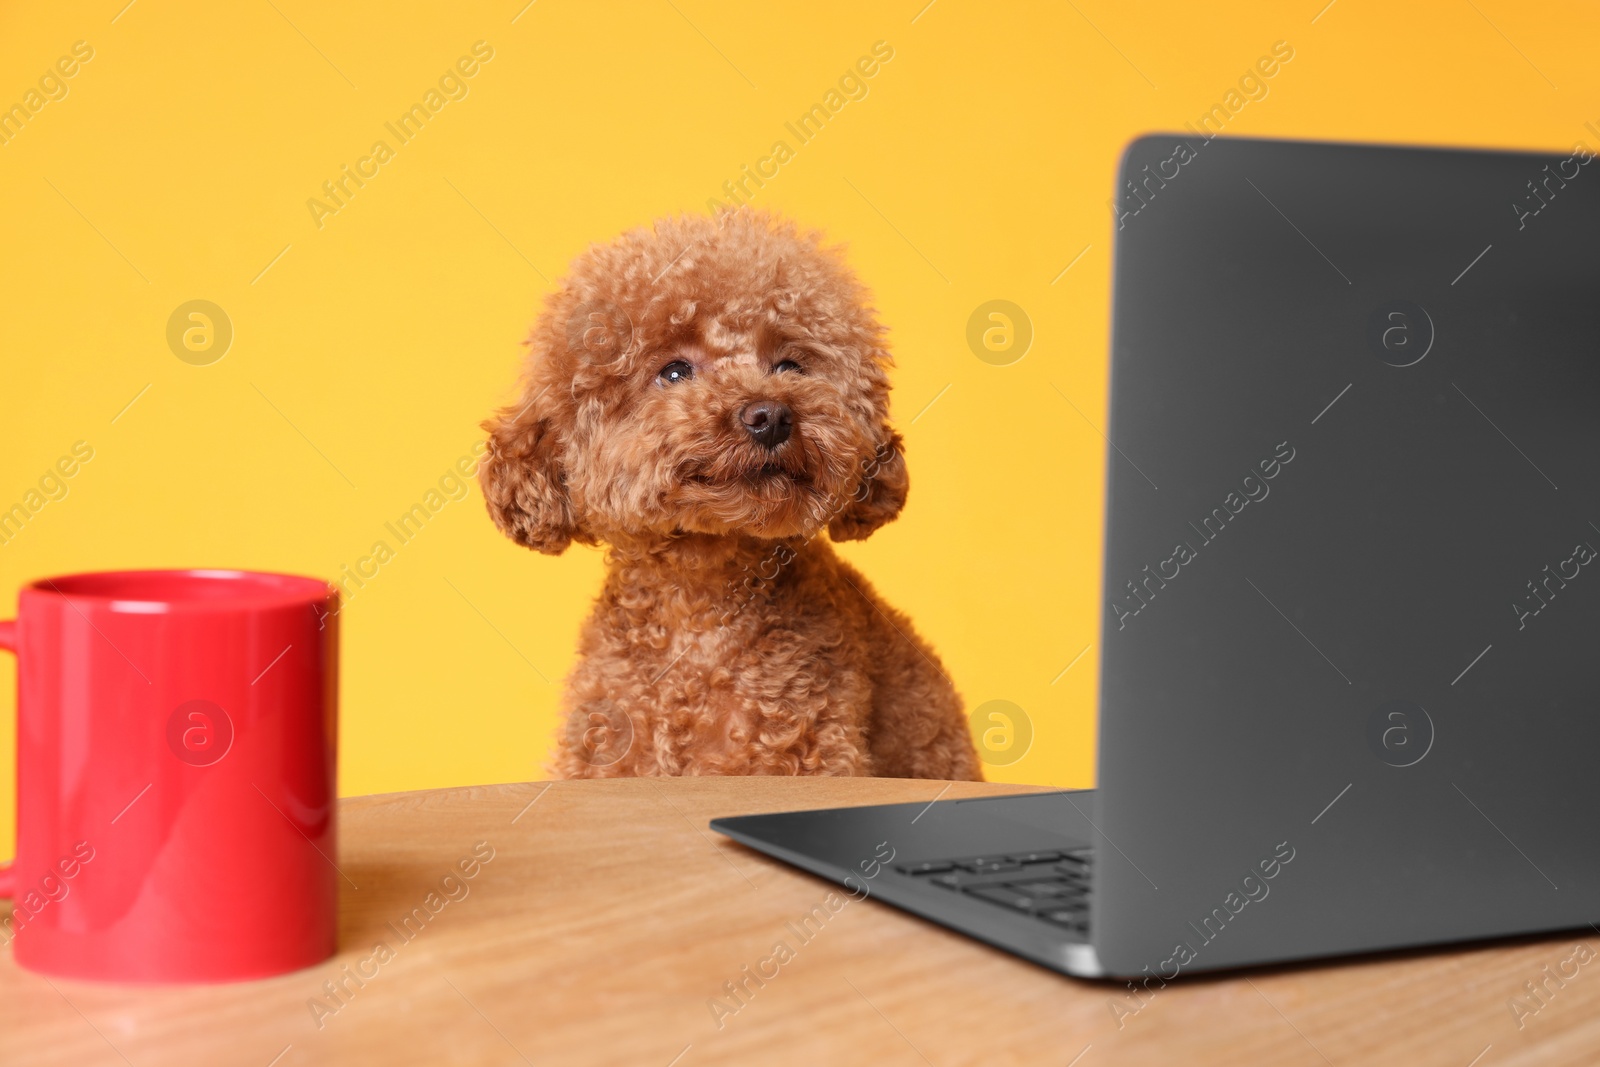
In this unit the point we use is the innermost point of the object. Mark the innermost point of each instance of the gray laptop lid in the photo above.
(1349, 656)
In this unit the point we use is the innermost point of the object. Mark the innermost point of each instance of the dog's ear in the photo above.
(880, 494)
(522, 480)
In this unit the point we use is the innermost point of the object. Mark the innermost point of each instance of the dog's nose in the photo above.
(768, 421)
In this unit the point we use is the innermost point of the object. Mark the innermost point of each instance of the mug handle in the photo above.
(8, 642)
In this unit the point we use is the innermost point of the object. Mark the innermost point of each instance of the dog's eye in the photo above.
(787, 366)
(675, 372)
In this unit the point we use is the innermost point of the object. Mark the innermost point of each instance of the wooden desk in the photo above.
(609, 919)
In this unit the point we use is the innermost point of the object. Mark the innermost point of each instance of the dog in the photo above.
(704, 398)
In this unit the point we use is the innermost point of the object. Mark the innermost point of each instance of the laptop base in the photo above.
(871, 851)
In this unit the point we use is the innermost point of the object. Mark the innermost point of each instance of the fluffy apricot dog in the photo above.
(704, 398)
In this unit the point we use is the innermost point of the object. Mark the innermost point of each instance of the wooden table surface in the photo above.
(608, 920)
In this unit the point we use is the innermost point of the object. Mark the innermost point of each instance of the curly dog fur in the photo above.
(704, 398)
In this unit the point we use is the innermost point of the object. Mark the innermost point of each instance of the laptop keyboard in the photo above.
(1050, 885)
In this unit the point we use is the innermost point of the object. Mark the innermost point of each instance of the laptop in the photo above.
(1349, 673)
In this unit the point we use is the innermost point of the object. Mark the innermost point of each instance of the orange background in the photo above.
(978, 166)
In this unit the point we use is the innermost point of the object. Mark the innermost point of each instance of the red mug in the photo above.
(176, 786)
